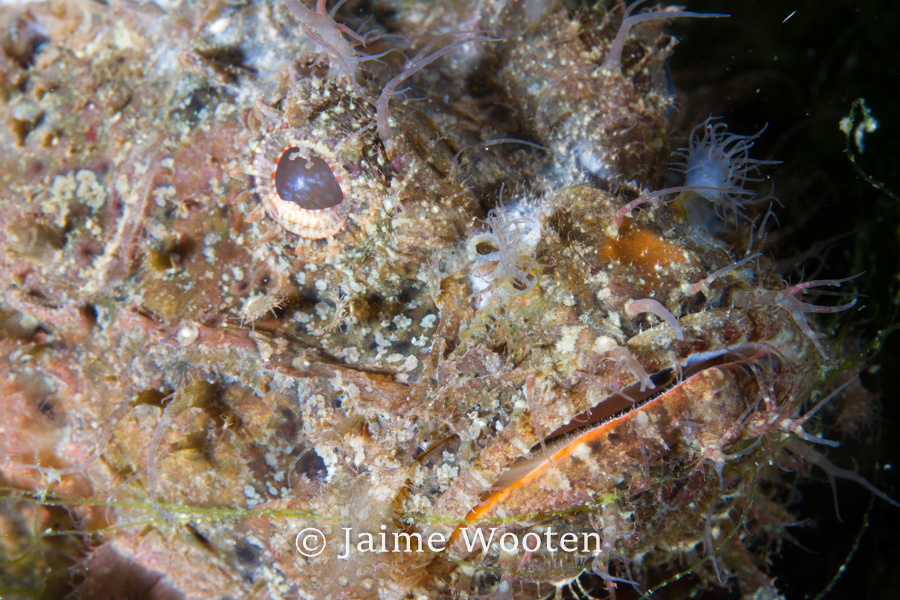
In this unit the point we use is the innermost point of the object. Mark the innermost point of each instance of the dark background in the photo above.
(801, 76)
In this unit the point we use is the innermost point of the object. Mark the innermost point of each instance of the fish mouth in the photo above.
(621, 405)
(627, 451)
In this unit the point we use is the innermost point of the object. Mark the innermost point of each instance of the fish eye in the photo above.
(307, 182)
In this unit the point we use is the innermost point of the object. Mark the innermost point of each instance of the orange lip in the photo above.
(676, 394)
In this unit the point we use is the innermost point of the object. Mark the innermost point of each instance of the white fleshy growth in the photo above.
(503, 264)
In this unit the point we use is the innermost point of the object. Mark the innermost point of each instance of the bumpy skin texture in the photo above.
(351, 382)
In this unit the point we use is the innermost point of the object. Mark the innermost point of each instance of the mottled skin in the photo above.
(358, 397)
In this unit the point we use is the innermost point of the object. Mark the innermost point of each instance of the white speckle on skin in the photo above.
(402, 321)
(219, 26)
(604, 344)
(90, 190)
(351, 354)
(270, 460)
(446, 474)
(566, 344)
(163, 194)
(323, 309)
(252, 497)
(187, 333)
(265, 350)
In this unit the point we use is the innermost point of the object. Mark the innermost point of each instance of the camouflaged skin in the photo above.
(164, 346)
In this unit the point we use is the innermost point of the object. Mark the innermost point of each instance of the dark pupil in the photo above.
(307, 182)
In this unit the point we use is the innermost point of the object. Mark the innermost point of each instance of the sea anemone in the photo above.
(503, 257)
(717, 166)
(717, 171)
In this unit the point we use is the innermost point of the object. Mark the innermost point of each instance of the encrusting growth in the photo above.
(403, 354)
